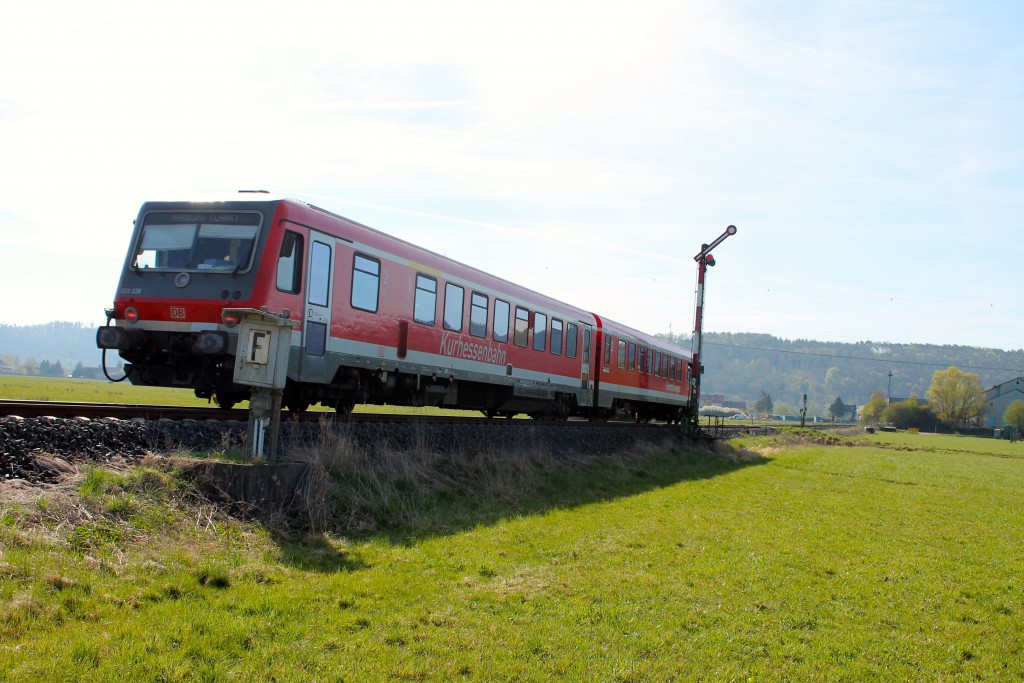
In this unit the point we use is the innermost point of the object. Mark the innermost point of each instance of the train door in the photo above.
(316, 328)
(586, 398)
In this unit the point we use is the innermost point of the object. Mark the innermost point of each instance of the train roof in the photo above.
(427, 259)
(621, 330)
(439, 262)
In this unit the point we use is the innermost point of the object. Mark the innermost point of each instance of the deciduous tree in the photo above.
(871, 413)
(955, 396)
(1014, 416)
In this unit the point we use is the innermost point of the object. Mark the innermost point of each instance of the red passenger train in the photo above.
(379, 320)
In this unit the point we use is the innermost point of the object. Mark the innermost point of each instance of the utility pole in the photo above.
(703, 259)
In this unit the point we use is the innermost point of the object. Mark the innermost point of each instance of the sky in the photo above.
(869, 153)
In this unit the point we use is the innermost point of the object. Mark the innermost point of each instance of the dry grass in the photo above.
(358, 488)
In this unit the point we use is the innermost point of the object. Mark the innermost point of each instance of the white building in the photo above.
(999, 398)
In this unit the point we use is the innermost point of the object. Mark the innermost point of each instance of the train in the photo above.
(378, 320)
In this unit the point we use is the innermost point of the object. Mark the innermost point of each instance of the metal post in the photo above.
(702, 258)
(695, 347)
(264, 423)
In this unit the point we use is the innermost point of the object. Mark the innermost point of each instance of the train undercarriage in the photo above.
(177, 360)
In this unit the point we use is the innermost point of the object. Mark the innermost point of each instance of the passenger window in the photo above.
(365, 283)
(540, 331)
(425, 306)
(453, 296)
(499, 328)
(522, 331)
(556, 336)
(572, 333)
(319, 274)
(622, 354)
(641, 359)
(478, 315)
(632, 356)
(289, 263)
(586, 346)
(607, 350)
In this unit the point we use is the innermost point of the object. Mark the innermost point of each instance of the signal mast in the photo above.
(703, 259)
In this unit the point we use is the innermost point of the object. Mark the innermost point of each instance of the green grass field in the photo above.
(20, 387)
(24, 388)
(900, 557)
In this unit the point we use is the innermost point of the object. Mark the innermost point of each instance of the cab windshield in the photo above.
(201, 241)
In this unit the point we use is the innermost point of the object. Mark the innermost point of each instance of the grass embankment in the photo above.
(896, 558)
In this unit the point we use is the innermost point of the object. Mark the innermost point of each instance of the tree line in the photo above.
(13, 365)
(742, 365)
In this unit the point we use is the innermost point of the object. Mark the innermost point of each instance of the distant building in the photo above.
(5, 367)
(999, 398)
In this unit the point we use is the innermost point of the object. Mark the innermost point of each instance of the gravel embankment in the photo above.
(27, 445)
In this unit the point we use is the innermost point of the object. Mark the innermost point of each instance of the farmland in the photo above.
(888, 556)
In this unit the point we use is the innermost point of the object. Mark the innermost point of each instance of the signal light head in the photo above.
(710, 260)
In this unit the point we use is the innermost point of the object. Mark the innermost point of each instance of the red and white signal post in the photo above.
(703, 259)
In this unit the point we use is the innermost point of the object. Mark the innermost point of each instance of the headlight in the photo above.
(211, 343)
(110, 337)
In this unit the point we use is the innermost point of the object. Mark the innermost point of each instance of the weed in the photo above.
(213, 576)
(99, 481)
(97, 535)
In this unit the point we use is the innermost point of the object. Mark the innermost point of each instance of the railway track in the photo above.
(93, 411)
(127, 411)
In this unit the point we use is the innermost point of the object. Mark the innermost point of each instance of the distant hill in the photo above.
(69, 343)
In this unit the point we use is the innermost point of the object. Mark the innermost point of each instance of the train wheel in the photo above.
(226, 400)
(344, 407)
(297, 406)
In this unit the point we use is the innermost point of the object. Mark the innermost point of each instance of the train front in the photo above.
(187, 262)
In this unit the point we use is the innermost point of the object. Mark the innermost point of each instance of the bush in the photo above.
(909, 414)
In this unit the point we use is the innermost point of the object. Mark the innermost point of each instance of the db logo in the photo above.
(177, 312)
